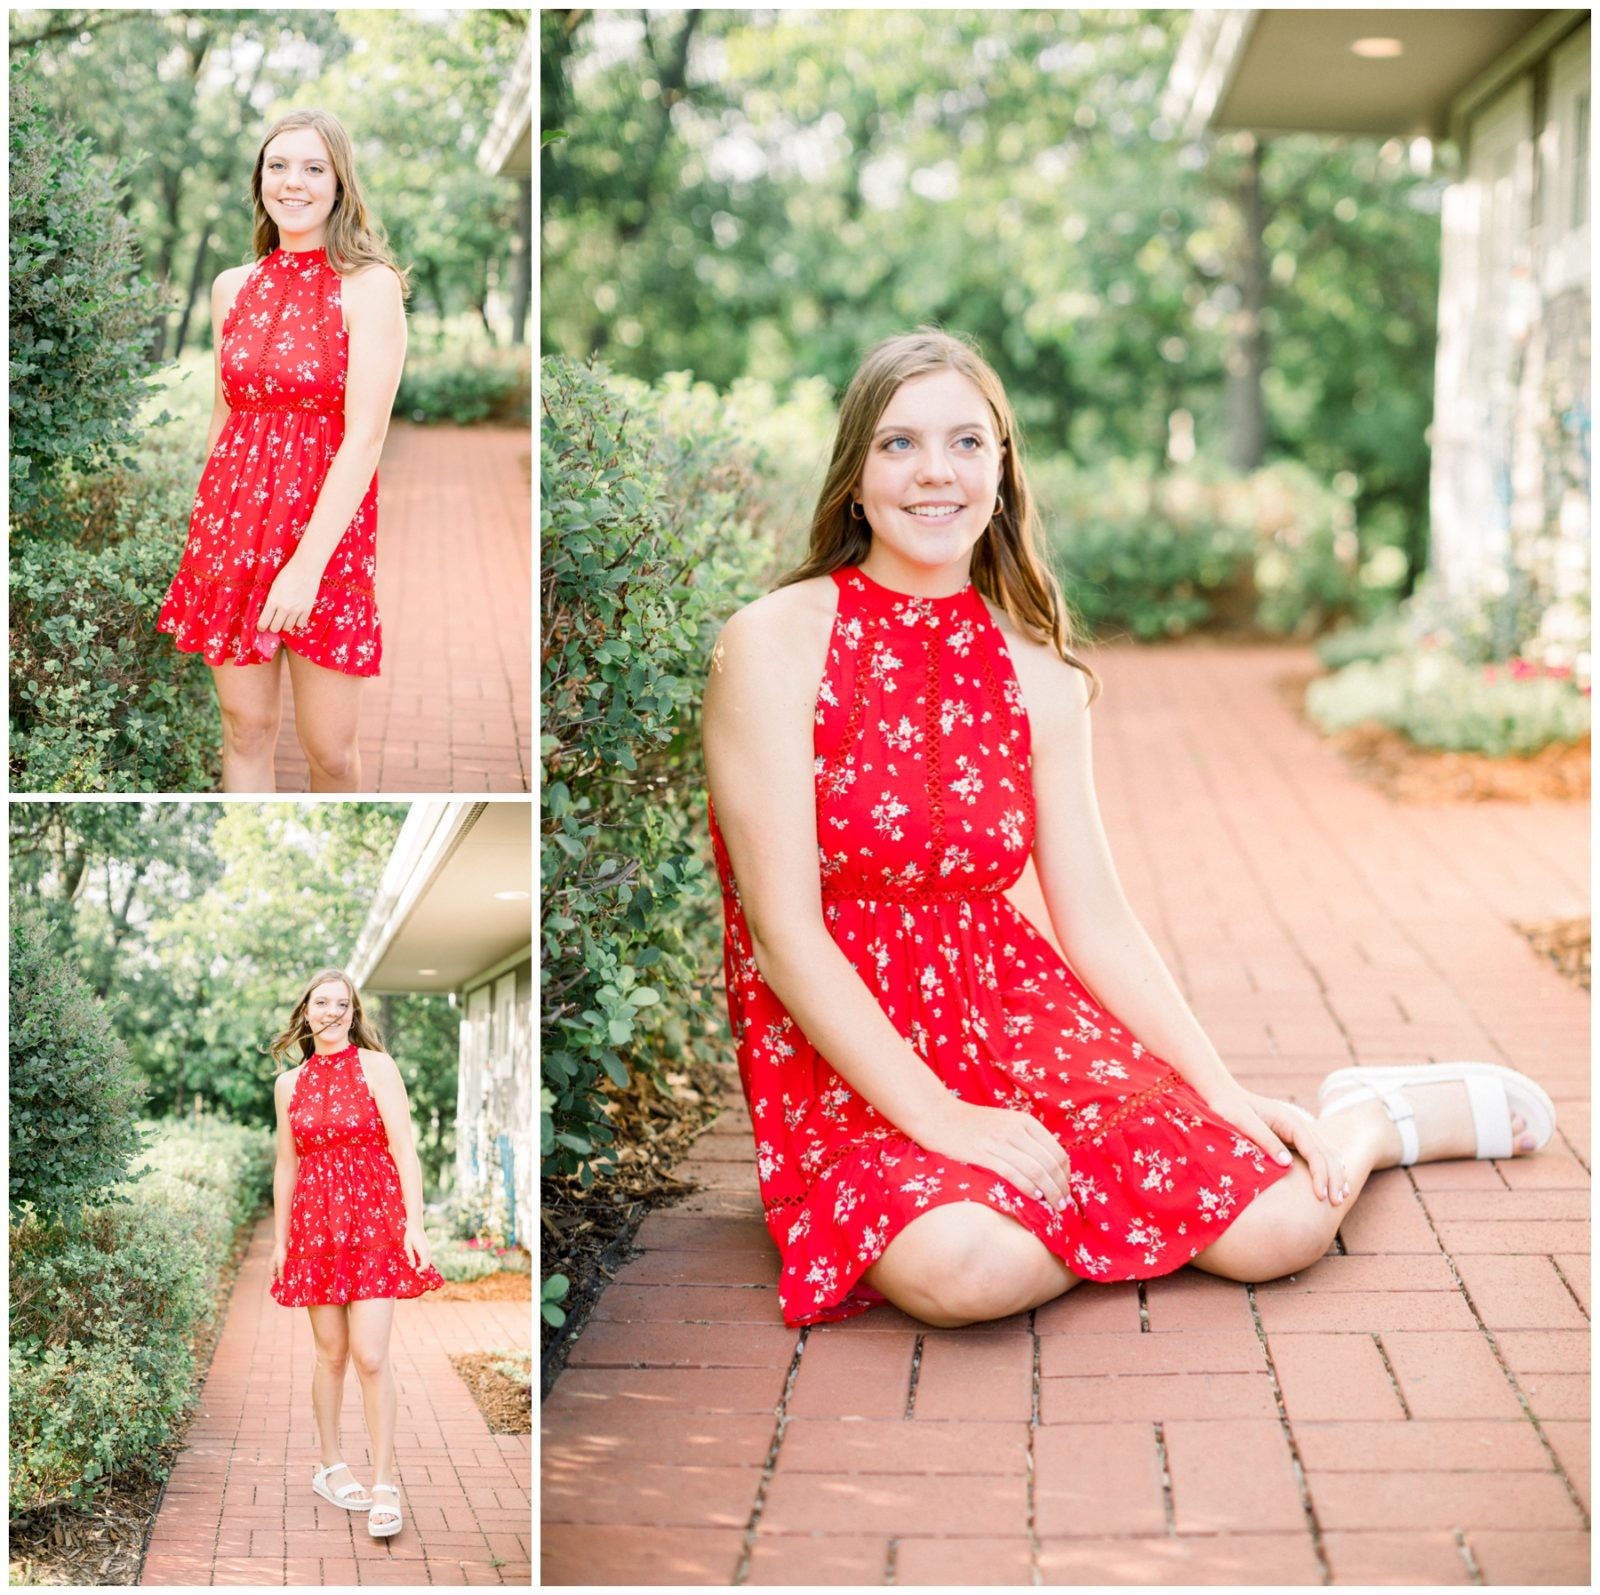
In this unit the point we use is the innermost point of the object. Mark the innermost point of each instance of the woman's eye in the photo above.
(976, 442)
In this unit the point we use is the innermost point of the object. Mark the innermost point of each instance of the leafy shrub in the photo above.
(81, 316)
(1387, 635)
(1161, 555)
(100, 702)
(104, 1307)
(1439, 702)
(517, 1366)
(463, 390)
(73, 1092)
(458, 1262)
(647, 546)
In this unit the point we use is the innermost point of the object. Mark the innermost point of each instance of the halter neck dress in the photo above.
(925, 818)
(285, 360)
(347, 1219)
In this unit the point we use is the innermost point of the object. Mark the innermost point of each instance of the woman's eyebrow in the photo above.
(911, 431)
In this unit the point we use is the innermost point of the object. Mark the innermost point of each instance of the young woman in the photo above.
(949, 1115)
(347, 1224)
(282, 543)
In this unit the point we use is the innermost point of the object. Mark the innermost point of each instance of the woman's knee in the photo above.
(333, 755)
(1280, 1239)
(250, 728)
(966, 1268)
(369, 1360)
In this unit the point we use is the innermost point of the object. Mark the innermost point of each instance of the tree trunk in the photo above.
(197, 278)
(1247, 357)
(522, 264)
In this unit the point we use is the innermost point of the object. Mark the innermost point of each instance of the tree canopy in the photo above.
(764, 194)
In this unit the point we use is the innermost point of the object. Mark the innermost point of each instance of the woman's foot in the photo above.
(1443, 1121)
(384, 1518)
(335, 1480)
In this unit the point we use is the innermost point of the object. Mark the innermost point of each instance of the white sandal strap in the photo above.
(351, 1488)
(1395, 1106)
(1491, 1115)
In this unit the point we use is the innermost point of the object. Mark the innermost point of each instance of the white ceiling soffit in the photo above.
(445, 915)
(1282, 71)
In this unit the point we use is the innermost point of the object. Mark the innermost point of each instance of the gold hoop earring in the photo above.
(856, 511)
(999, 507)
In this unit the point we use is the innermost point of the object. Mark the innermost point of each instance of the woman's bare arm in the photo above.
(285, 1169)
(223, 293)
(394, 1107)
(757, 726)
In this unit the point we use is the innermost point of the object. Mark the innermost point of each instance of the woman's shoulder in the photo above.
(376, 1064)
(1046, 679)
(799, 613)
(371, 282)
(285, 1081)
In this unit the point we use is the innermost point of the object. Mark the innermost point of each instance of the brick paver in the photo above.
(238, 1507)
(452, 710)
(1411, 1410)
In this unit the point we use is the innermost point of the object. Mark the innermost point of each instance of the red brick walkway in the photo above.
(1413, 1410)
(452, 711)
(238, 1508)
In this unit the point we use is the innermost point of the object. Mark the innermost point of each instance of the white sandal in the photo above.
(336, 1497)
(1494, 1093)
(383, 1531)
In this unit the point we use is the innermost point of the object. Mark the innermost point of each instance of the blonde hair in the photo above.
(363, 1033)
(355, 238)
(1006, 567)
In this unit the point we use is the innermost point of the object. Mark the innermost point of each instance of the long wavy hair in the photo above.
(1006, 567)
(363, 1033)
(355, 237)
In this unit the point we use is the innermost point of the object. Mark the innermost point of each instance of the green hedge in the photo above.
(104, 1306)
(101, 702)
(648, 545)
(464, 389)
(1159, 555)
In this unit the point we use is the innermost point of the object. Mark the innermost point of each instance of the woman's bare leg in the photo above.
(1288, 1227)
(329, 1330)
(251, 699)
(964, 1263)
(370, 1324)
(327, 719)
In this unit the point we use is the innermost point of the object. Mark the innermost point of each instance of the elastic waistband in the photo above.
(914, 894)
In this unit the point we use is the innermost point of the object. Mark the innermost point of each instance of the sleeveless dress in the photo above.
(925, 817)
(347, 1220)
(285, 356)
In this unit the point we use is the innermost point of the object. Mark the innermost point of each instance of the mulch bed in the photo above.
(104, 1542)
(506, 1405)
(507, 1285)
(588, 1233)
(1565, 942)
(1385, 758)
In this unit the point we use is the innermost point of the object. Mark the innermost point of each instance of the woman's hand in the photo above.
(1276, 1126)
(418, 1252)
(289, 600)
(280, 1259)
(1013, 1144)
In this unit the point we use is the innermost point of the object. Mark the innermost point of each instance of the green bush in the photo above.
(458, 1262)
(463, 390)
(81, 315)
(1159, 555)
(73, 1092)
(647, 546)
(1439, 702)
(100, 702)
(104, 1307)
(1389, 634)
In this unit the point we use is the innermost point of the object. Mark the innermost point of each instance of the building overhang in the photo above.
(455, 899)
(1281, 71)
(507, 148)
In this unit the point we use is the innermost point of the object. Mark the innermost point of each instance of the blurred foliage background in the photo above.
(185, 96)
(764, 194)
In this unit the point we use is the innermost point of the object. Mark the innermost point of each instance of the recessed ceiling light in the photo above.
(513, 897)
(1378, 49)
(427, 971)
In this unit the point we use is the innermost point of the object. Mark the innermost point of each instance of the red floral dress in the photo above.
(924, 819)
(285, 355)
(347, 1220)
